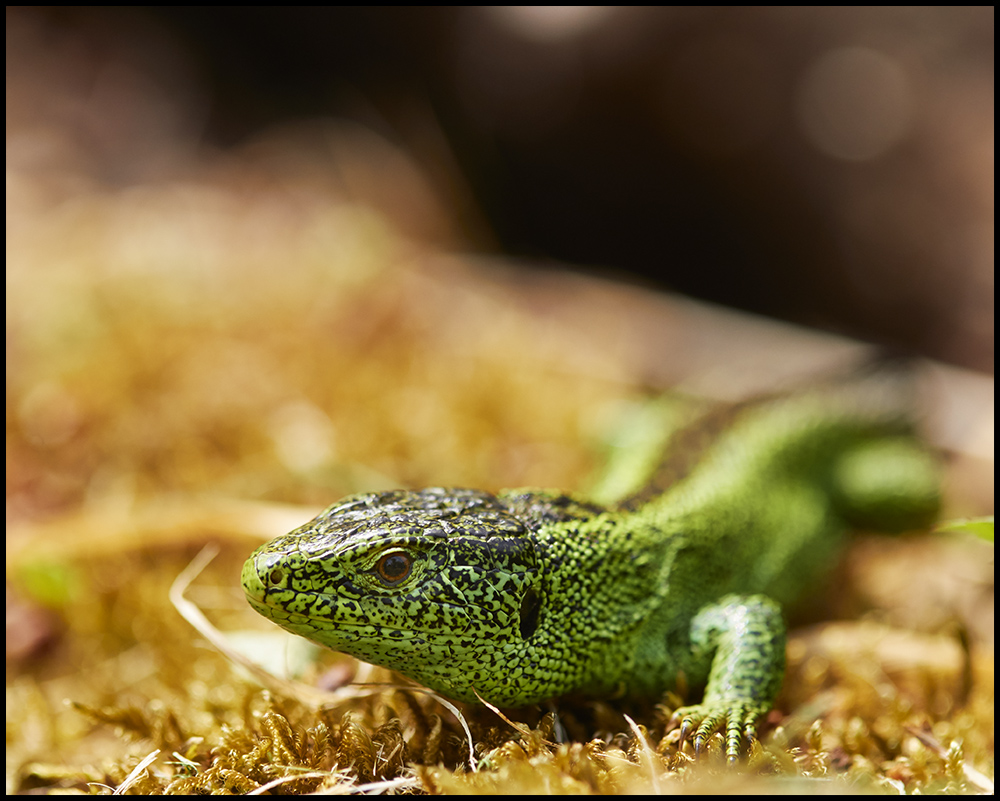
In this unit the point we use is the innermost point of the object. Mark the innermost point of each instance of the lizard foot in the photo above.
(738, 721)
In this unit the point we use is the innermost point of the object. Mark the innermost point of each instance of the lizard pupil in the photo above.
(394, 567)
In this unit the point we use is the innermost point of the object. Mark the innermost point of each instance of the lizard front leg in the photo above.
(744, 639)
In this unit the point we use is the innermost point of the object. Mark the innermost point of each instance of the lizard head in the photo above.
(441, 585)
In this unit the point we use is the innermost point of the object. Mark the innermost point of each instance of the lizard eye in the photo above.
(394, 567)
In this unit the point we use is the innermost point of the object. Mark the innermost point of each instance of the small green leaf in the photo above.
(981, 527)
(50, 582)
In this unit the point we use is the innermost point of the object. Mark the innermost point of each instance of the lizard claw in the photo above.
(738, 723)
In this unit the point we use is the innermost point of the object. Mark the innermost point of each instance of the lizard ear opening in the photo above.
(530, 606)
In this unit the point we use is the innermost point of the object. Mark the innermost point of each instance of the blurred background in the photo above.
(259, 259)
(833, 167)
(239, 234)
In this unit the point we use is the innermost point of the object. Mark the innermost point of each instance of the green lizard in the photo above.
(529, 595)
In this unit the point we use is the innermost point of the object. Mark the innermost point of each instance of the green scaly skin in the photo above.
(529, 595)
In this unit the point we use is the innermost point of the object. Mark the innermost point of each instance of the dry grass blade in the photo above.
(648, 756)
(519, 727)
(265, 788)
(304, 693)
(973, 776)
(133, 777)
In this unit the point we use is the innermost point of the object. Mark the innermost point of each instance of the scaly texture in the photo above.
(528, 595)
